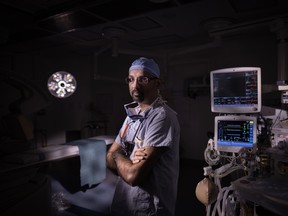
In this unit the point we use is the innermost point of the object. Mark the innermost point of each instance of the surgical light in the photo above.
(61, 84)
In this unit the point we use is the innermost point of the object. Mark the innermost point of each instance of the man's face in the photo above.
(141, 89)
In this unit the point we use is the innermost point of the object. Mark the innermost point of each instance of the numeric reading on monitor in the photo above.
(236, 90)
(232, 133)
(238, 133)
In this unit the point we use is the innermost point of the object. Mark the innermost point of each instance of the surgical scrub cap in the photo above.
(145, 64)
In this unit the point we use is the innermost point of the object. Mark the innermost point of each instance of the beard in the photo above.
(137, 95)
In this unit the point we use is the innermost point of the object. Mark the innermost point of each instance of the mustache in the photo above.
(137, 91)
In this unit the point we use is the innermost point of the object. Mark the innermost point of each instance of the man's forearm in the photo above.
(124, 167)
(111, 163)
(113, 156)
(118, 162)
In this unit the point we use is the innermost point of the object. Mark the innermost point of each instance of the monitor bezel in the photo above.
(236, 109)
(234, 148)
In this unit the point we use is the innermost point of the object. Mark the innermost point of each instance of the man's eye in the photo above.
(129, 80)
(143, 79)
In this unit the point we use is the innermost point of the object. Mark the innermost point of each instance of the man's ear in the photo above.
(158, 82)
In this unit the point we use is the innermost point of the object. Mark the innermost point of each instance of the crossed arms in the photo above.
(137, 169)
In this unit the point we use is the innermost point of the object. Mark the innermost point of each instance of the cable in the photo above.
(277, 118)
(218, 202)
(232, 169)
(223, 192)
(225, 199)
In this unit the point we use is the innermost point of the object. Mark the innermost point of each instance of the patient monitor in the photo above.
(233, 133)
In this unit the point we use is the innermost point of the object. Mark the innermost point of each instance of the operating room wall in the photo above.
(100, 95)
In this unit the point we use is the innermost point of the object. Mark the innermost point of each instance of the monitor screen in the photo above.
(233, 133)
(236, 90)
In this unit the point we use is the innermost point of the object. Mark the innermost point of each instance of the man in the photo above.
(145, 153)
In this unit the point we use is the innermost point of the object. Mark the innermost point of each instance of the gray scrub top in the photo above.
(159, 127)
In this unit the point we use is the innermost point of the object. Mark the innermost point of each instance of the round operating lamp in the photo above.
(61, 84)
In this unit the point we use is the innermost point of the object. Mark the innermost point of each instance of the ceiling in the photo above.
(86, 25)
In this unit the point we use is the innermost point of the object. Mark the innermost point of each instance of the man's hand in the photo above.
(139, 155)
